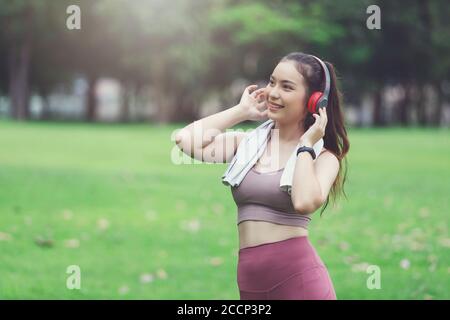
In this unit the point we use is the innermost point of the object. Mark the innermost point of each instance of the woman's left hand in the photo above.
(317, 129)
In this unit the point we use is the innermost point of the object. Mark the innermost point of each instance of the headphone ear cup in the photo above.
(312, 102)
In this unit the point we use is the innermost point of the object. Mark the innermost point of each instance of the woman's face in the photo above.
(286, 88)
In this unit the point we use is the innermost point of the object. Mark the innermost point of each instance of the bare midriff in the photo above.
(253, 233)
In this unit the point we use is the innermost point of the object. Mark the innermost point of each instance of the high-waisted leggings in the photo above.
(289, 269)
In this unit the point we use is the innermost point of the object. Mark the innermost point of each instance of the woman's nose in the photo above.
(273, 94)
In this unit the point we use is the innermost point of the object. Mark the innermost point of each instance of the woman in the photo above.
(276, 258)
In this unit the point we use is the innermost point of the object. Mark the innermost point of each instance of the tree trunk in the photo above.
(19, 67)
(404, 104)
(45, 114)
(190, 112)
(187, 108)
(421, 114)
(378, 120)
(91, 99)
(125, 101)
(19, 56)
(164, 108)
(164, 104)
(438, 111)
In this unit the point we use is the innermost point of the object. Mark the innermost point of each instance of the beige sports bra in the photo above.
(258, 197)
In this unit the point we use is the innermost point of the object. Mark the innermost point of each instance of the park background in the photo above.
(88, 116)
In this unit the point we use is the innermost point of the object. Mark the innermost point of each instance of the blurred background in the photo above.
(87, 120)
(154, 61)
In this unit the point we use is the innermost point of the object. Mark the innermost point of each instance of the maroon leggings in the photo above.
(289, 269)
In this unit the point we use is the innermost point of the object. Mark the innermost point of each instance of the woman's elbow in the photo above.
(307, 207)
(304, 209)
(183, 139)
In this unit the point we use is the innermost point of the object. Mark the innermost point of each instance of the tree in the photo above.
(23, 23)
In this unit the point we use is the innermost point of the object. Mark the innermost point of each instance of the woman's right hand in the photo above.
(253, 103)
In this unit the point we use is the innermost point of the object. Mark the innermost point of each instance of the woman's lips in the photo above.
(274, 106)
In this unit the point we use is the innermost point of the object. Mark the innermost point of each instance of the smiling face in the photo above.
(286, 88)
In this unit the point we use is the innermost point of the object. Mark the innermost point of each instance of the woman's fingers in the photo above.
(261, 96)
(320, 118)
(261, 106)
(316, 118)
(257, 92)
(324, 117)
(251, 88)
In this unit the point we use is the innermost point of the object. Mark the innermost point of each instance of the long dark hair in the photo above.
(335, 139)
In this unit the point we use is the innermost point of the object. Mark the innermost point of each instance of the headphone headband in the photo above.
(323, 101)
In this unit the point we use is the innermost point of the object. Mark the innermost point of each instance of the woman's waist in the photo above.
(272, 215)
(253, 232)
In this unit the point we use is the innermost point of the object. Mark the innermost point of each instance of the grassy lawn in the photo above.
(109, 199)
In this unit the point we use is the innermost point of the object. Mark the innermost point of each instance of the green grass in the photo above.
(60, 181)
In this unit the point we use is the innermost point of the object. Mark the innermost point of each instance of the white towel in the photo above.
(250, 150)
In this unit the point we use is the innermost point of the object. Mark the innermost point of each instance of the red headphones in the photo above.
(319, 99)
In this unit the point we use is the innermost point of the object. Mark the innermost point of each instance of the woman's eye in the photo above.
(271, 83)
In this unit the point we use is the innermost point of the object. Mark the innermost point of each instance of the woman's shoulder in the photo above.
(330, 151)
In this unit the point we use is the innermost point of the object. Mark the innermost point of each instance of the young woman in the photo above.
(276, 258)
